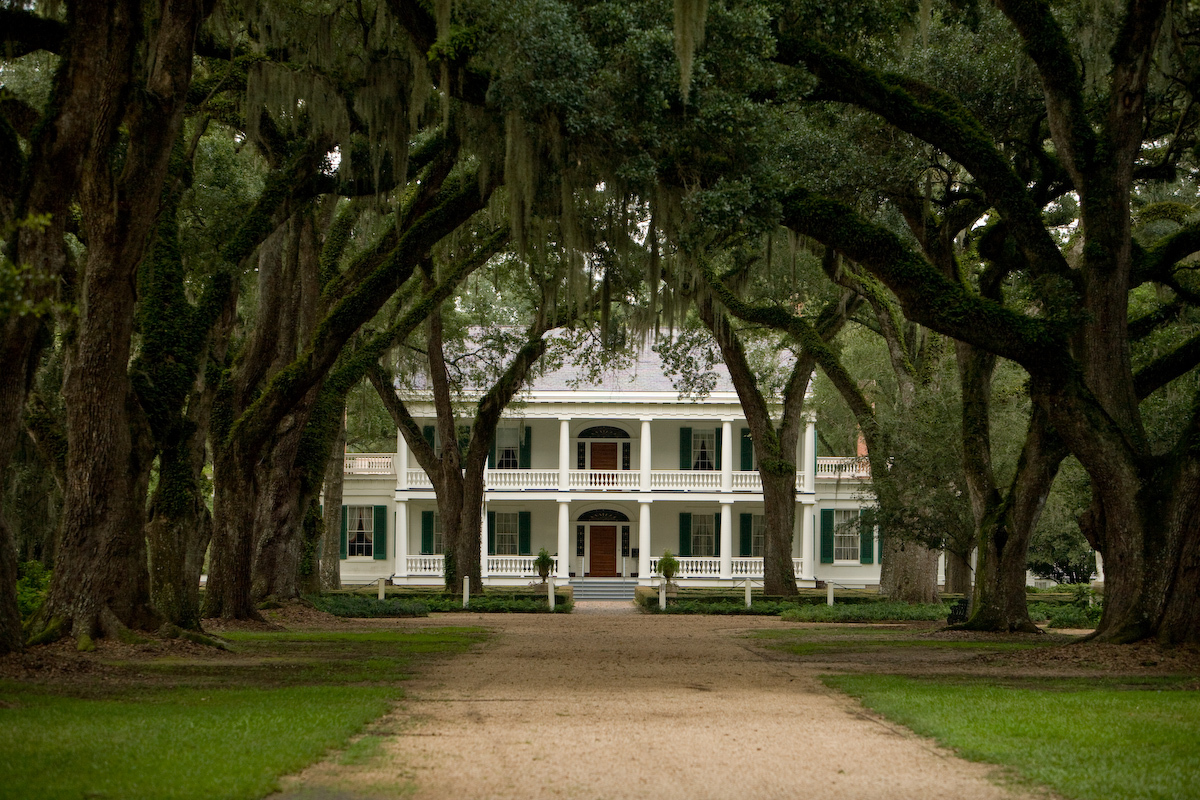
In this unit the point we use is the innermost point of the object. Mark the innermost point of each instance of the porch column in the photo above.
(401, 461)
(644, 542)
(726, 456)
(806, 513)
(564, 453)
(644, 476)
(727, 535)
(810, 458)
(400, 535)
(564, 539)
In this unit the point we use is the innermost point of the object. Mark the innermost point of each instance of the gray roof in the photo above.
(643, 372)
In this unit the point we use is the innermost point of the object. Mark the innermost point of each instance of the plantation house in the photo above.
(606, 477)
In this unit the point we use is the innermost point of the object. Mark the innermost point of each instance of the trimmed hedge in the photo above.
(868, 612)
(363, 606)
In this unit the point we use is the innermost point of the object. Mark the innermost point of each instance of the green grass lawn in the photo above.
(181, 728)
(1090, 739)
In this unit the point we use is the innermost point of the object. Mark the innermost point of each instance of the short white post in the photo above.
(466, 592)
(662, 595)
(747, 592)
(550, 591)
(829, 593)
(381, 580)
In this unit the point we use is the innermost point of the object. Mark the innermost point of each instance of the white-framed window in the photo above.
(507, 530)
(507, 447)
(845, 534)
(704, 449)
(360, 531)
(758, 529)
(703, 535)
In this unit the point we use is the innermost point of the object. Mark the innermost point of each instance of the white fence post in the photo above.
(381, 588)
(466, 592)
(747, 592)
(550, 591)
(829, 590)
(662, 595)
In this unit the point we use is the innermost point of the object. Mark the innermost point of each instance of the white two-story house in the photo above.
(606, 477)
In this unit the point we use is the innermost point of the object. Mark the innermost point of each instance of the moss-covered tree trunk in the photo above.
(779, 517)
(335, 471)
(958, 573)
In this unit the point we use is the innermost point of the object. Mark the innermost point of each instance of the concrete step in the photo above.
(603, 590)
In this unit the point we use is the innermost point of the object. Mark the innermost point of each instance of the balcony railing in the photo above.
(661, 480)
(841, 467)
(515, 565)
(710, 567)
(426, 565)
(369, 464)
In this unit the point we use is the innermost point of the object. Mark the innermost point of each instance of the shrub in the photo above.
(668, 566)
(1070, 617)
(32, 582)
(356, 605)
(867, 612)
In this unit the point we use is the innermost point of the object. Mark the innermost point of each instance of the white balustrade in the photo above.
(369, 464)
(515, 565)
(425, 565)
(683, 480)
(843, 467)
(522, 479)
(705, 567)
(747, 481)
(605, 479)
(417, 479)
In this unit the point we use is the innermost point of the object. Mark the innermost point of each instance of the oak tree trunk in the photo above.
(335, 471)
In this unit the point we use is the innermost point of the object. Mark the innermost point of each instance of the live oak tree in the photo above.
(1116, 129)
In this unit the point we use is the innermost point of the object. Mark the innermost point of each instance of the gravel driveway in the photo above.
(624, 705)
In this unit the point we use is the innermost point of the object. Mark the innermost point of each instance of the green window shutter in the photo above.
(685, 449)
(747, 451)
(430, 435)
(826, 535)
(491, 533)
(717, 534)
(746, 534)
(379, 539)
(718, 440)
(685, 534)
(426, 533)
(345, 547)
(866, 536)
(524, 530)
(525, 451)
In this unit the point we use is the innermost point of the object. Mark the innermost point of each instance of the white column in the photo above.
(644, 542)
(806, 513)
(564, 453)
(726, 456)
(727, 536)
(401, 461)
(810, 459)
(401, 536)
(564, 539)
(646, 454)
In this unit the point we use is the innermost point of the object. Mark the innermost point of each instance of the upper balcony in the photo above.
(591, 480)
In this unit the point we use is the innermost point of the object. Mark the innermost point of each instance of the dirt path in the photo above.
(594, 705)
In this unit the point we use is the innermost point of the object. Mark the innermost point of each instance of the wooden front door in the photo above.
(604, 455)
(604, 551)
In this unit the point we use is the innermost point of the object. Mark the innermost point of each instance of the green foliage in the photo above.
(1057, 549)
(668, 565)
(1071, 736)
(867, 612)
(420, 605)
(32, 582)
(356, 605)
(543, 563)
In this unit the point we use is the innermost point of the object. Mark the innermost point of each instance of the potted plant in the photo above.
(668, 567)
(543, 563)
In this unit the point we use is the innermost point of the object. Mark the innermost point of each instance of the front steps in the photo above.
(603, 588)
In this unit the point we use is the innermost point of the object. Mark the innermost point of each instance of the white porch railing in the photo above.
(522, 479)
(605, 479)
(752, 481)
(425, 565)
(418, 479)
(515, 565)
(369, 464)
(710, 567)
(683, 480)
(843, 467)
